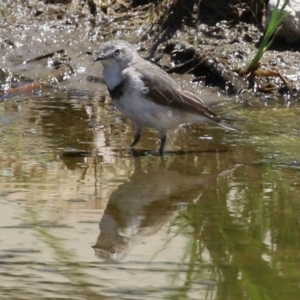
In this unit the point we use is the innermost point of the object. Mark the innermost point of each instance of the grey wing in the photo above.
(163, 90)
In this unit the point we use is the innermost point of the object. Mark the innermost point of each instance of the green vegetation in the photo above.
(275, 22)
(66, 261)
(244, 246)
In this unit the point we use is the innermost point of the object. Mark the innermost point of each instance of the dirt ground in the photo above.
(52, 41)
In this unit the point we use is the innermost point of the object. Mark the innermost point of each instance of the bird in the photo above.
(148, 95)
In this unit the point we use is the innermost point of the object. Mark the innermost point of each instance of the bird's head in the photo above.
(116, 53)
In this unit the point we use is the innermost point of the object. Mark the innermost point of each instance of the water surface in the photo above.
(83, 217)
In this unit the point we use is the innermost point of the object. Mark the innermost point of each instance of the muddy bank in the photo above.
(53, 41)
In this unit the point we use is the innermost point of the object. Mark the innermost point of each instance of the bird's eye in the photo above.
(117, 52)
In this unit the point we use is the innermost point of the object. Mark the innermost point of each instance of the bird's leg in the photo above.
(163, 139)
(137, 136)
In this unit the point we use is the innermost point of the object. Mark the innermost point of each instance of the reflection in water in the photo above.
(210, 229)
(149, 199)
(243, 237)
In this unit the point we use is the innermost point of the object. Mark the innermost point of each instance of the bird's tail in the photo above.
(228, 126)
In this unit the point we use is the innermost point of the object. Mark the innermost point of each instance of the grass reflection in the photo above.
(66, 261)
(244, 237)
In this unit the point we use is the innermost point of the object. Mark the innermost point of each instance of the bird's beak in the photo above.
(99, 56)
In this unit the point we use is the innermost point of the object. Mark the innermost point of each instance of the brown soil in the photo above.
(51, 41)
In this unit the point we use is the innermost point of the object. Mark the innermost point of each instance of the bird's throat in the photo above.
(112, 77)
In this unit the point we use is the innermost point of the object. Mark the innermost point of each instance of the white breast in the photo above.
(112, 77)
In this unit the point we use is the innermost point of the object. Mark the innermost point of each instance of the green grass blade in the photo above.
(276, 20)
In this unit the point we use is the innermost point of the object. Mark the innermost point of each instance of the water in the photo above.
(82, 217)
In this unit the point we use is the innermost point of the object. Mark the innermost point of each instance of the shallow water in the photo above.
(82, 217)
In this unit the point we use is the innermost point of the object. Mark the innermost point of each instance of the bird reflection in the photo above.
(155, 192)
